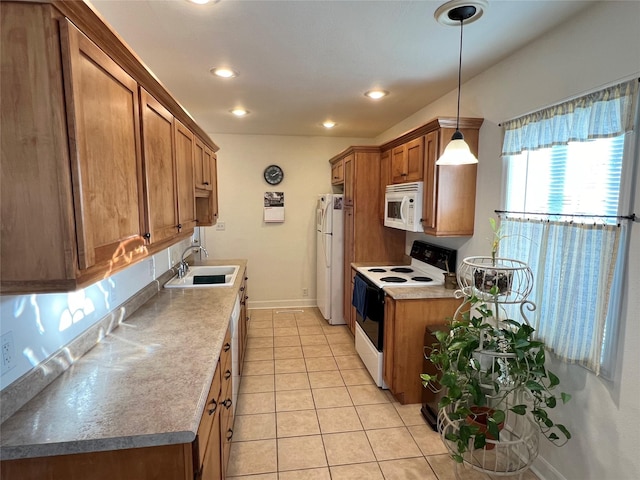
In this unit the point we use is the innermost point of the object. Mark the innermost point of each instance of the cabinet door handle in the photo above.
(246, 278)
(242, 289)
(229, 434)
(213, 409)
(227, 403)
(179, 226)
(227, 375)
(227, 347)
(206, 183)
(146, 236)
(246, 298)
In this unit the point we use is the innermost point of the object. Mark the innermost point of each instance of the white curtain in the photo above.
(573, 266)
(606, 113)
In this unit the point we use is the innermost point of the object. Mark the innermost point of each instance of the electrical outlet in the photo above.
(8, 352)
(220, 226)
(305, 292)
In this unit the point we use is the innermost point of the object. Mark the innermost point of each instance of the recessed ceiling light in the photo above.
(376, 94)
(328, 124)
(224, 72)
(475, 7)
(202, 2)
(239, 112)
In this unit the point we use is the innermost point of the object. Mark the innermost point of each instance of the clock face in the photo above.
(273, 174)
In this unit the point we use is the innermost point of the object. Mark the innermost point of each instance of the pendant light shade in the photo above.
(457, 151)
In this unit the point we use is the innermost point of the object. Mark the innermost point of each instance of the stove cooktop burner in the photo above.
(377, 270)
(402, 270)
(393, 279)
(422, 279)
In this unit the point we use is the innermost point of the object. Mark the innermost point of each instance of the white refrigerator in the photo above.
(329, 257)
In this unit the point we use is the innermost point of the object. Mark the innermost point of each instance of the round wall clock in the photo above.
(273, 174)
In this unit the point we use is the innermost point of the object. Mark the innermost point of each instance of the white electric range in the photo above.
(428, 265)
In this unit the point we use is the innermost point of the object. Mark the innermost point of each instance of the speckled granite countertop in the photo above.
(411, 293)
(145, 384)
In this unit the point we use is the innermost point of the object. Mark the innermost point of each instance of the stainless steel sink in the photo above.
(206, 277)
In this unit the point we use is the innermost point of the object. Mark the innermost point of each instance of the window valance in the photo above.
(605, 113)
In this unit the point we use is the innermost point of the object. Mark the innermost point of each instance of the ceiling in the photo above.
(303, 62)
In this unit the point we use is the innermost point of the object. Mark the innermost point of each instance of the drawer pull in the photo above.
(206, 183)
(227, 403)
(179, 226)
(246, 278)
(227, 347)
(227, 375)
(242, 289)
(229, 434)
(214, 408)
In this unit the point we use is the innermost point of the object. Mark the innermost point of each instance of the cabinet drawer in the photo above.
(210, 409)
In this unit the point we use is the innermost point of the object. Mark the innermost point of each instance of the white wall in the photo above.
(599, 47)
(282, 255)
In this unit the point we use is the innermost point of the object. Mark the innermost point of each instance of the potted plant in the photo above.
(488, 275)
(494, 363)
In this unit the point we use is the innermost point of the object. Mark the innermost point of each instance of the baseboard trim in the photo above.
(545, 471)
(291, 303)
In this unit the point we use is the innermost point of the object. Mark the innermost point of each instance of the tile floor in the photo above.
(309, 410)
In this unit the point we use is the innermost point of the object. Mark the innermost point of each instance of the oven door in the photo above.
(373, 324)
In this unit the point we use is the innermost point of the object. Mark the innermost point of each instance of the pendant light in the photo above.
(458, 152)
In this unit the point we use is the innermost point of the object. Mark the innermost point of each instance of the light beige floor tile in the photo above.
(257, 384)
(366, 394)
(251, 403)
(308, 322)
(348, 362)
(313, 339)
(290, 365)
(280, 353)
(393, 443)
(342, 349)
(312, 330)
(262, 476)
(317, 351)
(297, 423)
(290, 400)
(284, 322)
(283, 313)
(309, 474)
(247, 458)
(258, 324)
(339, 338)
(445, 469)
(430, 442)
(331, 397)
(288, 341)
(320, 364)
(357, 376)
(297, 453)
(382, 415)
(357, 471)
(292, 381)
(254, 427)
(259, 342)
(407, 469)
(262, 367)
(261, 314)
(340, 419)
(284, 331)
(255, 354)
(260, 332)
(326, 379)
(346, 448)
(335, 329)
(410, 413)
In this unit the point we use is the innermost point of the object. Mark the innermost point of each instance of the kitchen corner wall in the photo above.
(41, 324)
(281, 256)
(601, 46)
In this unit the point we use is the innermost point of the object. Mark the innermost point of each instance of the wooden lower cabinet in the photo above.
(404, 326)
(243, 327)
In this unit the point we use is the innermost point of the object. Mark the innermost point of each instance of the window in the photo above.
(563, 199)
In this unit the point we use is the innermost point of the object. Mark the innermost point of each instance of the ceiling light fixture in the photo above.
(376, 94)
(224, 72)
(240, 112)
(457, 151)
(328, 124)
(202, 2)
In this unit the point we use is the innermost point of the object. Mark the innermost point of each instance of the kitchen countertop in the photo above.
(411, 293)
(143, 385)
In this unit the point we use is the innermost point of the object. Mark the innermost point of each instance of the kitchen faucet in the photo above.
(183, 266)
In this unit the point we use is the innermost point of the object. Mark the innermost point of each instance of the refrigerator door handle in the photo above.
(327, 260)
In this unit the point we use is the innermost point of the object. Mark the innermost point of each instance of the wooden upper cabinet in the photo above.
(104, 141)
(202, 165)
(348, 169)
(159, 168)
(337, 173)
(385, 179)
(407, 161)
(185, 150)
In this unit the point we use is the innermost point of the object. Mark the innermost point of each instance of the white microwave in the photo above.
(403, 206)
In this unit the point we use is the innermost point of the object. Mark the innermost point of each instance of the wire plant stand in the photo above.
(517, 447)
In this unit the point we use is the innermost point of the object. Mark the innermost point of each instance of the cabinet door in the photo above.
(207, 169)
(104, 132)
(398, 164)
(159, 169)
(414, 160)
(348, 259)
(198, 163)
(337, 173)
(348, 179)
(212, 462)
(185, 148)
(389, 342)
(244, 327)
(213, 171)
(385, 179)
(430, 184)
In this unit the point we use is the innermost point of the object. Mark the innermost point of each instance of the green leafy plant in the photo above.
(486, 362)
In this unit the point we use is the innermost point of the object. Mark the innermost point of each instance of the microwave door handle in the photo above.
(405, 199)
